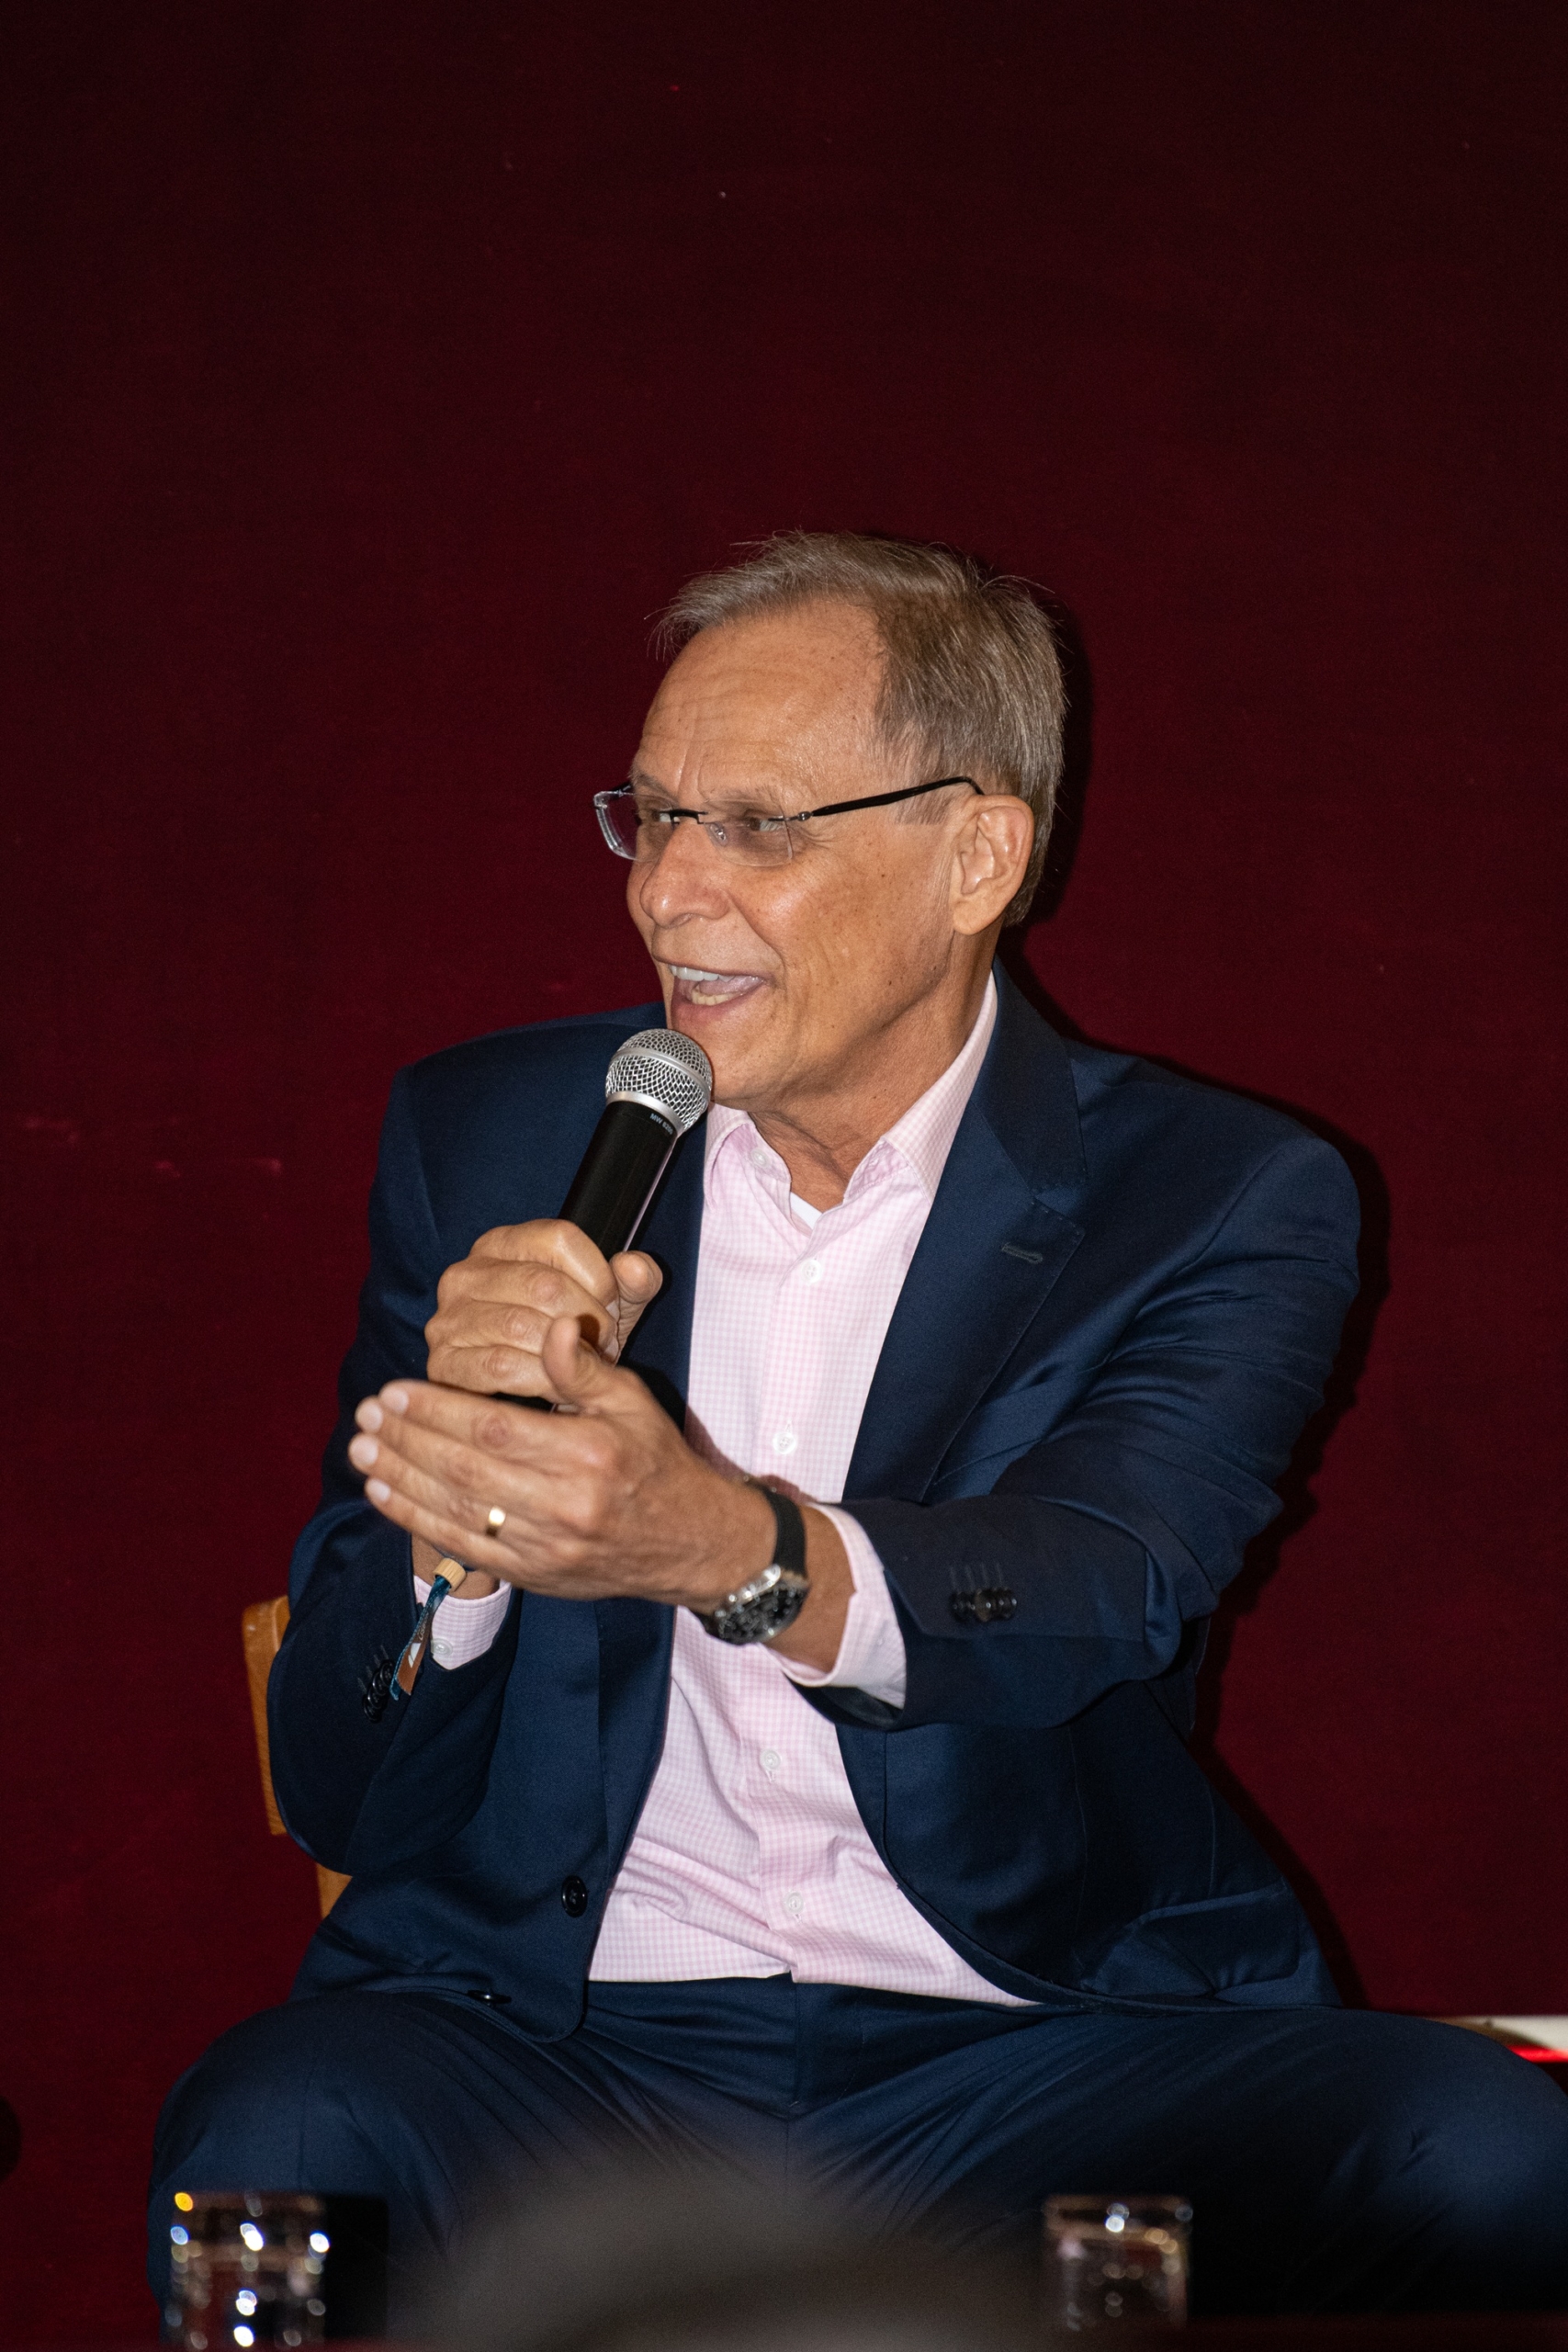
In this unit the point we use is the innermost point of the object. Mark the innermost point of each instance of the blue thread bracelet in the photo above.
(448, 1578)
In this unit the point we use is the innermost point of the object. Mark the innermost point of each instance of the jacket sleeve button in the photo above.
(574, 1897)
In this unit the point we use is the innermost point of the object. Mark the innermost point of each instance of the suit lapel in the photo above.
(998, 1238)
(994, 1245)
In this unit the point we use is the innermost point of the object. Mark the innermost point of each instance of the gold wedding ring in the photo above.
(495, 1519)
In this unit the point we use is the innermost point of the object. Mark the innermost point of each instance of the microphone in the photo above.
(657, 1086)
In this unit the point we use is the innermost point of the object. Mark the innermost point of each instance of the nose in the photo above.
(685, 880)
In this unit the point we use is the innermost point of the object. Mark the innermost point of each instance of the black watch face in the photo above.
(757, 1621)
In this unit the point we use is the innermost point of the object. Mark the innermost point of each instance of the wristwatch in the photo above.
(763, 1607)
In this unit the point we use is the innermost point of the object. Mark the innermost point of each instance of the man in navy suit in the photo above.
(948, 1385)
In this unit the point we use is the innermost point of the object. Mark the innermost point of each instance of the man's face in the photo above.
(788, 974)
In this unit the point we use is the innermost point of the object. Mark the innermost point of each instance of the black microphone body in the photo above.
(659, 1086)
(619, 1174)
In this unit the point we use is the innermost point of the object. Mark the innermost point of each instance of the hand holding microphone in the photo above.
(579, 1505)
(608, 1500)
(495, 1309)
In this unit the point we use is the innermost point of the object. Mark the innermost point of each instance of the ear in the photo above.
(990, 857)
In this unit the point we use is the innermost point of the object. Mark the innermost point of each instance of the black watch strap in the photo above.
(789, 1528)
(767, 1603)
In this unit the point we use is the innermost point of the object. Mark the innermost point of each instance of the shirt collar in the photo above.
(921, 1138)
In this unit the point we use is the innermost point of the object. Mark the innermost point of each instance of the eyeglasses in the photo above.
(749, 836)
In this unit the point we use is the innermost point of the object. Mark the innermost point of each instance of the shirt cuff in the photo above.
(463, 1630)
(871, 1651)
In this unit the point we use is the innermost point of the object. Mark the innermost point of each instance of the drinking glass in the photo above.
(246, 2270)
(1116, 2261)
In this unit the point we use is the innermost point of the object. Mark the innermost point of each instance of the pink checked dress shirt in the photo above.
(749, 1858)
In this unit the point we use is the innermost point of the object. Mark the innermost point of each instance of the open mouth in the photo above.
(695, 985)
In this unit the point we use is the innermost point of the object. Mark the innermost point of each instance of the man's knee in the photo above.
(318, 2095)
(1473, 2188)
(1504, 2126)
(252, 2086)
(312, 2085)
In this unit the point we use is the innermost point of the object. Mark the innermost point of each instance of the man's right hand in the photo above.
(495, 1307)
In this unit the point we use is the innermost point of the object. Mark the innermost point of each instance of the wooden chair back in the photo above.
(262, 1630)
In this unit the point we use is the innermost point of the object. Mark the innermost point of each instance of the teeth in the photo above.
(713, 988)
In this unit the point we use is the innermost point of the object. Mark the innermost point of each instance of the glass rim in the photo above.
(608, 803)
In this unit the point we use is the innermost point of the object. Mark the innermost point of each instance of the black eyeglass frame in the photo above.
(799, 817)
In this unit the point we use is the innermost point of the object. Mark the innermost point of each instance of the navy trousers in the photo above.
(1336, 2159)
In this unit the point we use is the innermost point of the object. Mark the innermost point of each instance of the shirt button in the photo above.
(758, 1157)
(812, 1271)
(771, 1761)
(785, 1441)
(794, 1904)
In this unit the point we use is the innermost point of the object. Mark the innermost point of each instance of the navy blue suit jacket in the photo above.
(1122, 1310)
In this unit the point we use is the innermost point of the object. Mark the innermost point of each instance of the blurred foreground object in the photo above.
(697, 2258)
(1115, 2262)
(246, 2270)
(273, 2266)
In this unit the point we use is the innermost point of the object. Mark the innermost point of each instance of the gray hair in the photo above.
(972, 680)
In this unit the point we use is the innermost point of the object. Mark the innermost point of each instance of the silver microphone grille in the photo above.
(661, 1068)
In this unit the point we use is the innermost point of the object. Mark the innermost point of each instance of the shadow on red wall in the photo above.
(1297, 1501)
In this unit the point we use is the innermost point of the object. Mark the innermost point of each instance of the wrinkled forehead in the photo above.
(758, 706)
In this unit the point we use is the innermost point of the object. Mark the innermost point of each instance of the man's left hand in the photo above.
(601, 1501)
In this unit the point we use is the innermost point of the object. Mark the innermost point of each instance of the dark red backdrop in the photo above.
(376, 368)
